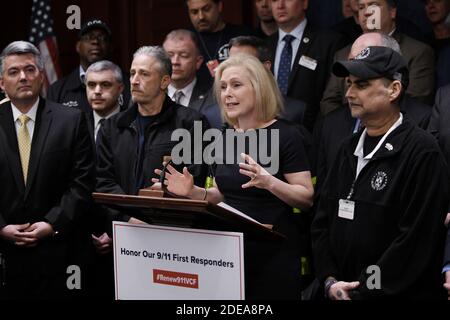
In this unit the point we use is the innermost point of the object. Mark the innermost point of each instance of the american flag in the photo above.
(42, 36)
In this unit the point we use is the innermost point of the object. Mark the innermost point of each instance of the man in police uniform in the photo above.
(379, 231)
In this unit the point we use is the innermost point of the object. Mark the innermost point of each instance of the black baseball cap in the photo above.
(92, 24)
(373, 63)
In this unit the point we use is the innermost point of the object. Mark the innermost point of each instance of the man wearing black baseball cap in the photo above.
(93, 24)
(93, 45)
(373, 63)
(378, 232)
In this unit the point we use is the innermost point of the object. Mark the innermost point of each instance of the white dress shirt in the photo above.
(31, 114)
(187, 92)
(97, 119)
(359, 151)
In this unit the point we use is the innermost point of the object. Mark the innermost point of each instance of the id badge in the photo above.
(308, 62)
(346, 209)
(212, 66)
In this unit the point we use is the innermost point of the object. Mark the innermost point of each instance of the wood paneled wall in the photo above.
(133, 22)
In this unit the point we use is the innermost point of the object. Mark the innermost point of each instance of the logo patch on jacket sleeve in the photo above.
(379, 181)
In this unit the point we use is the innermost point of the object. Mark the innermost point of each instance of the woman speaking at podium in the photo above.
(250, 100)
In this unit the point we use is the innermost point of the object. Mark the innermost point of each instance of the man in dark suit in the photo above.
(294, 109)
(185, 87)
(302, 56)
(104, 87)
(351, 30)
(94, 45)
(419, 56)
(46, 156)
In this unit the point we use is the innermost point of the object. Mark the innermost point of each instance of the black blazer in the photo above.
(202, 96)
(305, 84)
(440, 118)
(61, 169)
(59, 185)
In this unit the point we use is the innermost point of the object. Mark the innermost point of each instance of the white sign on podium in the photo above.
(167, 263)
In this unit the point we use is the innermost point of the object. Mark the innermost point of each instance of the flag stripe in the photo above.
(41, 34)
(53, 49)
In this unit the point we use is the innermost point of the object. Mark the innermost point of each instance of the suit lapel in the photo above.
(273, 42)
(42, 126)
(198, 97)
(9, 141)
(305, 44)
(91, 122)
(398, 36)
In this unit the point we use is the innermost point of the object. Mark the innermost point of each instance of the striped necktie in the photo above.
(178, 96)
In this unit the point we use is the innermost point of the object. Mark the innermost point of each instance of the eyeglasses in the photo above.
(92, 37)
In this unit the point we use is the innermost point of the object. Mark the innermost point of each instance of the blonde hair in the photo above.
(268, 99)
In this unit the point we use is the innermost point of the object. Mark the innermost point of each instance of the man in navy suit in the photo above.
(47, 177)
(302, 56)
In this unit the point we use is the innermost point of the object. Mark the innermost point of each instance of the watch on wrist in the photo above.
(328, 283)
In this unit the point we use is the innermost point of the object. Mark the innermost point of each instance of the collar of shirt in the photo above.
(82, 75)
(298, 34)
(32, 113)
(187, 91)
(97, 118)
(359, 151)
(392, 32)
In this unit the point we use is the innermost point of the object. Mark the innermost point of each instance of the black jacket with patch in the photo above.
(338, 125)
(401, 200)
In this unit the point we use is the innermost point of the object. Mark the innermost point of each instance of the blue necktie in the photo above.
(285, 64)
(358, 125)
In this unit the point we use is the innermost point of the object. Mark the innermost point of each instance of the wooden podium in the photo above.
(152, 208)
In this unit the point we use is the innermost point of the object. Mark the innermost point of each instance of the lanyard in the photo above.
(359, 152)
